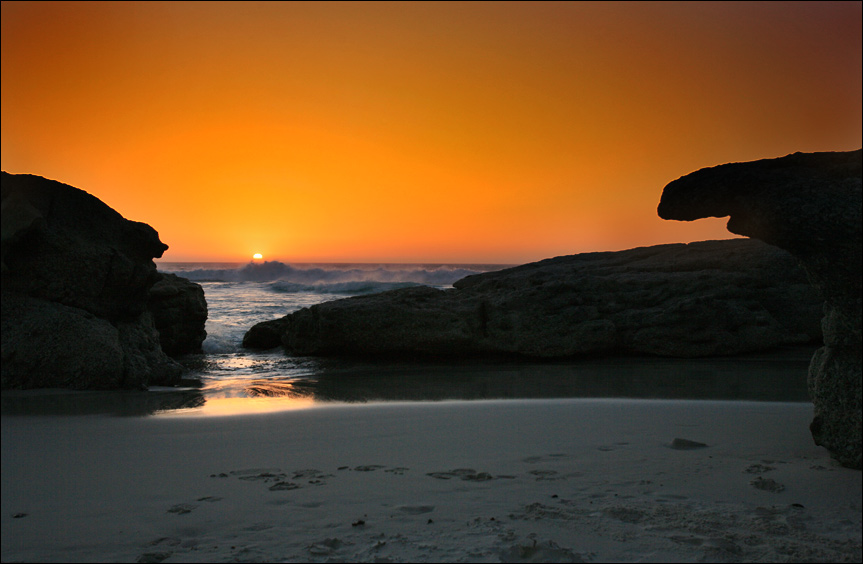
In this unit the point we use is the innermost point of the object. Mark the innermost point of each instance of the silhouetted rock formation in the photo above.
(265, 335)
(179, 313)
(76, 280)
(810, 205)
(700, 299)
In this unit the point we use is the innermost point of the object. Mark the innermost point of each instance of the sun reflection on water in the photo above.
(242, 396)
(222, 406)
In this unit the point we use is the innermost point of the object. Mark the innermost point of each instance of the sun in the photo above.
(257, 256)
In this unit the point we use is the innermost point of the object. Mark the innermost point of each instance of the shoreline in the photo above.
(586, 479)
(776, 375)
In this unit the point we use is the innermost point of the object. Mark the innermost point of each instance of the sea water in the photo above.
(241, 295)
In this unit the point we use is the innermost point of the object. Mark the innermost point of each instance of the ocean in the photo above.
(239, 295)
(238, 380)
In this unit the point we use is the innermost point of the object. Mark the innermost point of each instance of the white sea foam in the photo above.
(221, 340)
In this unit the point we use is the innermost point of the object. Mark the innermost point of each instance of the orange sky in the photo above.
(418, 132)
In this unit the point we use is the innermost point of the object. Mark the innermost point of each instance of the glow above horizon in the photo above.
(416, 132)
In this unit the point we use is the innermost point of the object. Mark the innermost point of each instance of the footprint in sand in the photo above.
(280, 482)
(767, 484)
(182, 508)
(277, 477)
(466, 474)
(264, 476)
(759, 469)
(614, 446)
(545, 474)
(259, 474)
(154, 557)
(250, 471)
(535, 459)
(284, 486)
(312, 476)
(310, 473)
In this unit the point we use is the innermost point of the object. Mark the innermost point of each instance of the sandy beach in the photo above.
(566, 480)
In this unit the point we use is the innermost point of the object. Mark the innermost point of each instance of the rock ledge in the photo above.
(810, 205)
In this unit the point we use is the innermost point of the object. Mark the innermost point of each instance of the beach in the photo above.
(541, 480)
(431, 282)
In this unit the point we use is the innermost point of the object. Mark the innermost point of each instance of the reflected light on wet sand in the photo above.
(218, 407)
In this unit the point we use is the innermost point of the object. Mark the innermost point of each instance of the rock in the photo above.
(179, 314)
(78, 251)
(265, 335)
(76, 283)
(810, 205)
(19, 218)
(48, 344)
(700, 299)
(144, 359)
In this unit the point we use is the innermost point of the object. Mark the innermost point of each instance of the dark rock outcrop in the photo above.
(76, 280)
(179, 313)
(700, 299)
(810, 205)
(265, 335)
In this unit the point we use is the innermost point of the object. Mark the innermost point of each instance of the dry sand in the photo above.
(569, 480)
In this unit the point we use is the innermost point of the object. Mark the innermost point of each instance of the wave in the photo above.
(329, 279)
(220, 343)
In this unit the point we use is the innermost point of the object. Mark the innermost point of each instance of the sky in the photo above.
(417, 132)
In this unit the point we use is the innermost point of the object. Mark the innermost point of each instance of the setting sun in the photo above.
(257, 256)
